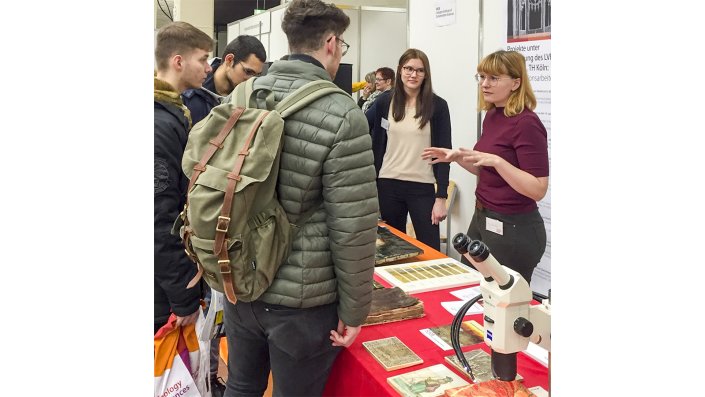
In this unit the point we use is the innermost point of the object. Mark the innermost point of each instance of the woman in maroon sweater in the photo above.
(511, 162)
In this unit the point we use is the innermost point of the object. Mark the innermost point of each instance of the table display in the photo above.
(357, 373)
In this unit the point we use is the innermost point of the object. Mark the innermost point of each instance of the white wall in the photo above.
(278, 44)
(352, 37)
(377, 37)
(452, 53)
(383, 38)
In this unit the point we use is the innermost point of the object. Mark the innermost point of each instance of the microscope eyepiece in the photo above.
(461, 242)
(475, 248)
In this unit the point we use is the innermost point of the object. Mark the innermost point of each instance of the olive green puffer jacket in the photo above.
(326, 162)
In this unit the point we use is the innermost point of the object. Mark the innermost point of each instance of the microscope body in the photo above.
(510, 321)
(502, 308)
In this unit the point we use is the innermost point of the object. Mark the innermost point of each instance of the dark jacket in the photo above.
(200, 101)
(172, 268)
(440, 135)
(326, 157)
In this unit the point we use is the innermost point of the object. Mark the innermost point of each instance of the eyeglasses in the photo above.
(493, 80)
(345, 45)
(380, 79)
(408, 70)
(248, 71)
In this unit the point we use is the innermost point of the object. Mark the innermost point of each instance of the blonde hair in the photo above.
(370, 79)
(512, 64)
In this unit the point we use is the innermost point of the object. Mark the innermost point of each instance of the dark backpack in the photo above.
(234, 228)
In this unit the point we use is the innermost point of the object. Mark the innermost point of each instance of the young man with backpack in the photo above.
(181, 56)
(242, 59)
(321, 294)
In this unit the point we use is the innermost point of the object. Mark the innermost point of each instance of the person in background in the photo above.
(511, 163)
(321, 294)
(181, 55)
(403, 122)
(384, 81)
(367, 90)
(242, 59)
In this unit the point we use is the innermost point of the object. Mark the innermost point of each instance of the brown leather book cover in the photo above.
(391, 247)
(393, 304)
(491, 388)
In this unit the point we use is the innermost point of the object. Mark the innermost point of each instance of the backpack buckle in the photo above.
(224, 266)
(223, 223)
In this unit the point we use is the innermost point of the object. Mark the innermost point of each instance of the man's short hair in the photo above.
(244, 45)
(179, 38)
(306, 22)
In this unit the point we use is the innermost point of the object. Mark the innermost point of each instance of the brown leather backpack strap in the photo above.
(216, 143)
(221, 228)
(224, 264)
(197, 277)
(189, 252)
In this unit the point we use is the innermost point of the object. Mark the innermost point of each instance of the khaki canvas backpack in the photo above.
(233, 226)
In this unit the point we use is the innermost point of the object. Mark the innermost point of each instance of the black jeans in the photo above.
(521, 245)
(399, 198)
(294, 343)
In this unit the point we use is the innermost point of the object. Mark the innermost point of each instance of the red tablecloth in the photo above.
(357, 373)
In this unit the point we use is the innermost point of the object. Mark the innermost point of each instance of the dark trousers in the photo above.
(293, 343)
(521, 245)
(399, 198)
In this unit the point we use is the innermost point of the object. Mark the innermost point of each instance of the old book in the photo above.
(480, 364)
(539, 391)
(471, 333)
(492, 388)
(428, 275)
(393, 304)
(392, 353)
(391, 247)
(426, 382)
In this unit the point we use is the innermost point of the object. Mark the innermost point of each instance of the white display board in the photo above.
(529, 32)
(452, 52)
(256, 24)
(233, 31)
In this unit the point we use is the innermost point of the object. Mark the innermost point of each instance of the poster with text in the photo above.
(529, 32)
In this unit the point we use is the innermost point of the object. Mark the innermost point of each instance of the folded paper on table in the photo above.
(453, 307)
(429, 275)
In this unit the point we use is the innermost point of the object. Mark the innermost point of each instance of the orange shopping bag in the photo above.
(177, 362)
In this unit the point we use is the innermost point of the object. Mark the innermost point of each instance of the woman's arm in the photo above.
(445, 155)
(520, 180)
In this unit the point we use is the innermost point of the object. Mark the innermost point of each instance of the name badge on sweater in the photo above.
(494, 226)
(385, 124)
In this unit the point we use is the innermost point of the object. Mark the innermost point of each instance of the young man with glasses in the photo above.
(321, 294)
(242, 59)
